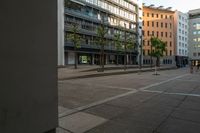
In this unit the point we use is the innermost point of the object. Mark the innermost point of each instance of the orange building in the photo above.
(158, 22)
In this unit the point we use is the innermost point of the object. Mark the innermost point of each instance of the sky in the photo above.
(181, 5)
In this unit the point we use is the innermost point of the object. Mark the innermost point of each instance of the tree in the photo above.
(101, 41)
(130, 45)
(76, 39)
(118, 45)
(159, 47)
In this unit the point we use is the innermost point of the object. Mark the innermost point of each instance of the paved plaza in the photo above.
(131, 103)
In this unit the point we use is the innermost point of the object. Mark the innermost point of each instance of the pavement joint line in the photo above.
(65, 129)
(78, 109)
(114, 73)
(98, 85)
(188, 80)
(168, 93)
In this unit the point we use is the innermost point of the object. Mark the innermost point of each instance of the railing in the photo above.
(91, 45)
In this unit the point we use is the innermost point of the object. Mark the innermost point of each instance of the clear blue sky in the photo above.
(181, 5)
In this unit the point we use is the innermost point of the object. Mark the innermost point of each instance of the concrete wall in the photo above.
(28, 73)
(61, 41)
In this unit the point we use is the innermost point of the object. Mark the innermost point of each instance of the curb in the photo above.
(115, 73)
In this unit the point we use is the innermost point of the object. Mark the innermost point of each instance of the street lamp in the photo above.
(151, 51)
(140, 56)
(125, 55)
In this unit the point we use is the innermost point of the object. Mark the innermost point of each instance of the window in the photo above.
(161, 34)
(147, 33)
(170, 44)
(161, 24)
(157, 24)
(152, 24)
(147, 23)
(157, 34)
(148, 52)
(152, 33)
(148, 42)
(143, 52)
(161, 16)
(152, 15)
(165, 25)
(170, 25)
(170, 52)
(194, 54)
(165, 34)
(142, 23)
(170, 35)
(143, 42)
(147, 14)
(165, 16)
(157, 15)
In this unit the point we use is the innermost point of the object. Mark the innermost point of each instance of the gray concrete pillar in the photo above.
(61, 39)
(28, 68)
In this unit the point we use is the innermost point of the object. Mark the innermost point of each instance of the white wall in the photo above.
(181, 44)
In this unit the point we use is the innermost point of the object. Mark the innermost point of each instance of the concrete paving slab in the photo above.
(106, 111)
(187, 114)
(62, 109)
(60, 130)
(131, 101)
(113, 127)
(80, 122)
(72, 95)
(191, 103)
(176, 86)
(179, 126)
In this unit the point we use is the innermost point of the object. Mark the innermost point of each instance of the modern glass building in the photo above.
(194, 36)
(117, 16)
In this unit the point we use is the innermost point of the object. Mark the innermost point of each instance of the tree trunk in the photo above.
(117, 59)
(102, 58)
(125, 61)
(75, 63)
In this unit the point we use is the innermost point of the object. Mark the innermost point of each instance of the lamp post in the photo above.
(125, 56)
(140, 56)
(151, 61)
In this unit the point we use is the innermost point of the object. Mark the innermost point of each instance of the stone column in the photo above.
(28, 74)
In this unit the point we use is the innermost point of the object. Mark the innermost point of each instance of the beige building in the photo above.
(158, 22)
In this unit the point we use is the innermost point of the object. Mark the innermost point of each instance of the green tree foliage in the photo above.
(159, 48)
(75, 38)
(101, 41)
(130, 45)
(118, 45)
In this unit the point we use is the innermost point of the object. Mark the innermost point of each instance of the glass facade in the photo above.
(117, 16)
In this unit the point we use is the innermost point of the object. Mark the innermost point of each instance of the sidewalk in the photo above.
(131, 103)
(86, 71)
